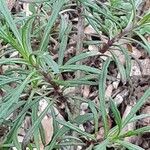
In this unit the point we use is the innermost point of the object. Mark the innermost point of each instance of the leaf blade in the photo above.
(102, 82)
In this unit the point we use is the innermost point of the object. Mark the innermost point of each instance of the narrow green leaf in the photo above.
(55, 12)
(94, 23)
(59, 134)
(79, 120)
(95, 7)
(26, 35)
(5, 11)
(72, 138)
(137, 106)
(139, 117)
(8, 61)
(83, 118)
(8, 38)
(75, 128)
(116, 114)
(63, 26)
(129, 146)
(102, 84)
(95, 114)
(128, 61)
(35, 126)
(75, 82)
(15, 141)
(36, 134)
(147, 44)
(14, 107)
(120, 67)
(63, 44)
(136, 132)
(4, 109)
(133, 11)
(81, 57)
(145, 19)
(55, 123)
(48, 63)
(18, 121)
(102, 146)
(80, 67)
(13, 130)
(8, 80)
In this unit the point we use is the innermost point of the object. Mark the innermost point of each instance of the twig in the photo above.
(79, 48)
(111, 42)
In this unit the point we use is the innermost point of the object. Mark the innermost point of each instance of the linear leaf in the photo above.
(5, 11)
(81, 57)
(80, 67)
(26, 35)
(56, 8)
(94, 6)
(47, 59)
(4, 109)
(102, 84)
(35, 126)
(116, 114)
(147, 44)
(79, 120)
(95, 114)
(137, 106)
(120, 67)
(34, 117)
(139, 117)
(8, 80)
(8, 38)
(63, 44)
(75, 128)
(15, 141)
(145, 19)
(129, 146)
(4, 61)
(18, 121)
(128, 60)
(102, 146)
(75, 82)
(136, 132)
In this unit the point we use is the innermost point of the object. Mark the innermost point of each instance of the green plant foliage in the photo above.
(35, 68)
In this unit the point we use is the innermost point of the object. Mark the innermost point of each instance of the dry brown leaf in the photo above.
(135, 69)
(116, 83)
(93, 48)
(47, 123)
(145, 121)
(109, 90)
(100, 135)
(86, 91)
(136, 53)
(84, 108)
(26, 9)
(145, 65)
(10, 4)
(141, 65)
(120, 96)
(129, 47)
(89, 30)
(147, 5)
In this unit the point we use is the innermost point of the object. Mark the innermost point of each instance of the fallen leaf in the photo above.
(135, 69)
